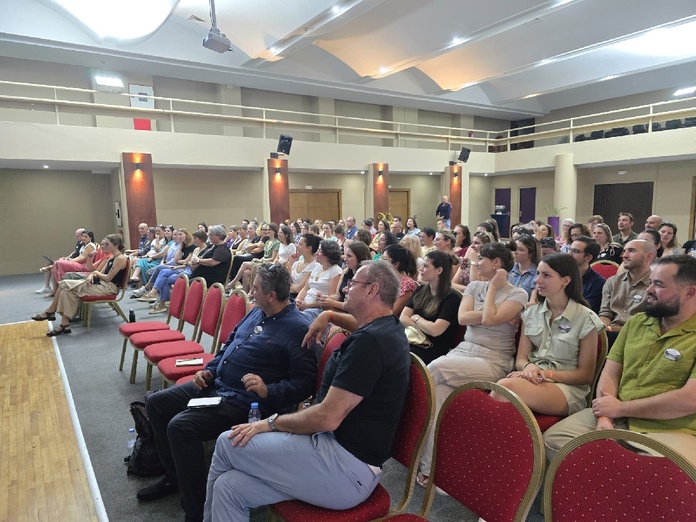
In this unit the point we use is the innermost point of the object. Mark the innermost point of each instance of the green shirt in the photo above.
(649, 367)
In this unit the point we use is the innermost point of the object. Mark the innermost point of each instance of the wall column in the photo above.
(137, 195)
(278, 190)
(565, 187)
(377, 193)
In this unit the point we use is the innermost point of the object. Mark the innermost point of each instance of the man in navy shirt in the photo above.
(351, 229)
(443, 211)
(585, 250)
(263, 361)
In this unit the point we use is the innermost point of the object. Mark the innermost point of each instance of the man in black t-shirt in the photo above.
(330, 454)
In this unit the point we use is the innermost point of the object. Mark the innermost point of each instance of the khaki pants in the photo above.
(71, 291)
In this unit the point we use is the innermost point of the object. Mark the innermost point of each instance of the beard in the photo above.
(659, 310)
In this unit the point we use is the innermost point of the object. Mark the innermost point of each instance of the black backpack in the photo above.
(144, 461)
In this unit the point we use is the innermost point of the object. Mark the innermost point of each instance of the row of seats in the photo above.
(637, 129)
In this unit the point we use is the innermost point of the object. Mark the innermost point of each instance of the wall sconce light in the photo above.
(380, 172)
(277, 170)
(456, 173)
(138, 166)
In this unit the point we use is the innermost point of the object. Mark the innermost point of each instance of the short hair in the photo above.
(274, 278)
(686, 267)
(591, 246)
(500, 251)
(654, 234)
(363, 236)
(384, 274)
(430, 232)
(368, 222)
(116, 239)
(312, 242)
(331, 251)
(201, 235)
(218, 230)
(628, 215)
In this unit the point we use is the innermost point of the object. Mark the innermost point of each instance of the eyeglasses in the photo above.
(576, 251)
(354, 282)
(105, 243)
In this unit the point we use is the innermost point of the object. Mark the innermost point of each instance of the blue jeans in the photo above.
(273, 467)
(166, 279)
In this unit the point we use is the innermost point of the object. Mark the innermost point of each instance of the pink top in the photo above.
(407, 285)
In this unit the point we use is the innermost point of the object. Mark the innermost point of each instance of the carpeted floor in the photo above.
(102, 396)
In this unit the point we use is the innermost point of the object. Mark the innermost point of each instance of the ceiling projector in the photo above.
(216, 41)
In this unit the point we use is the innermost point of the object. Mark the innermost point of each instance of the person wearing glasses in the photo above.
(262, 361)
(585, 250)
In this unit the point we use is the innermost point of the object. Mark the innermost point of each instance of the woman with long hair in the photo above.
(527, 255)
(406, 267)
(324, 281)
(557, 352)
(467, 270)
(607, 248)
(433, 307)
(77, 264)
(668, 238)
(489, 309)
(354, 254)
(411, 227)
(462, 240)
(287, 245)
(386, 239)
(105, 280)
(413, 244)
(303, 263)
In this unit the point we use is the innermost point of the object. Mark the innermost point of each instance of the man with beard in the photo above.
(649, 381)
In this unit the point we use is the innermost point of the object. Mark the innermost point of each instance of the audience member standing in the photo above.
(443, 211)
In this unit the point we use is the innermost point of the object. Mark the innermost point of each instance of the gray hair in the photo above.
(218, 230)
(384, 274)
(274, 278)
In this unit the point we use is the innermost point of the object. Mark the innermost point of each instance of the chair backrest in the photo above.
(124, 279)
(333, 341)
(211, 314)
(194, 302)
(605, 268)
(593, 472)
(236, 308)
(488, 455)
(602, 350)
(416, 420)
(178, 298)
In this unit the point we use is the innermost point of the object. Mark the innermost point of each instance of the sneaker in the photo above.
(158, 309)
(159, 490)
(43, 290)
(139, 292)
(148, 298)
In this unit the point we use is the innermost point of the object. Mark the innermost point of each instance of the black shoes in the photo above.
(159, 490)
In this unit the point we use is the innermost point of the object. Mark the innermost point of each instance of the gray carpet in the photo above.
(102, 396)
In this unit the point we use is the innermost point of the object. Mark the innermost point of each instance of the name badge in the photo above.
(672, 354)
(564, 326)
(637, 298)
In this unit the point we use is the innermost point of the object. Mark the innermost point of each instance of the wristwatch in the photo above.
(271, 422)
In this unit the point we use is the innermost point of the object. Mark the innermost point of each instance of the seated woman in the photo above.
(105, 280)
(355, 253)
(668, 237)
(467, 270)
(411, 227)
(405, 264)
(382, 227)
(304, 264)
(412, 243)
(463, 240)
(213, 262)
(77, 264)
(386, 239)
(609, 250)
(287, 245)
(490, 310)
(327, 231)
(527, 255)
(162, 288)
(557, 352)
(433, 307)
(270, 254)
(324, 281)
(158, 249)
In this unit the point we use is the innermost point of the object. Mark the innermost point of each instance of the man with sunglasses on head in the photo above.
(263, 361)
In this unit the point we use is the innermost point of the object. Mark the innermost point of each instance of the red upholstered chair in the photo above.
(333, 341)
(211, 316)
(112, 299)
(236, 308)
(416, 420)
(595, 478)
(488, 455)
(192, 315)
(176, 309)
(546, 421)
(605, 268)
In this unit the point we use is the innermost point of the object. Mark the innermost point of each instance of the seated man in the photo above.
(649, 381)
(143, 243)
(623, 294)
(329, 454)
(585, 250)
(263, 361)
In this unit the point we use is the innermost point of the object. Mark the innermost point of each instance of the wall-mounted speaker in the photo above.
(284, 144)
(464, 155)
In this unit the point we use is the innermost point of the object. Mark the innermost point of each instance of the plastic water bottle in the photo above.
(254, 412)
(132, 435)
(131, 316)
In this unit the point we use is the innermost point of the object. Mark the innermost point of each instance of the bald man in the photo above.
(653, 222)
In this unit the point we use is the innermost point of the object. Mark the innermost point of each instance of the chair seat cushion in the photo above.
(408, 517)
(156, 352)
(172, 372)
(143, 339)
(129, 329)
(184, 380)
(546, 421)
(376, 506)
(94, 298)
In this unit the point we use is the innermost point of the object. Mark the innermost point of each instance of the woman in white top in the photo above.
(557, 353)
(287, 246)
(327, 231)
(668, 236)
(303, 262)
(324, 282)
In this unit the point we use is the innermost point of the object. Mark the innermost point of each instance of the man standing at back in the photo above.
(331, 453)
(443, 211)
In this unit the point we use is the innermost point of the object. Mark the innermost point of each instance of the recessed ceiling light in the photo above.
(486, 175)
(431, 173)
(685, 91)
(45, 166)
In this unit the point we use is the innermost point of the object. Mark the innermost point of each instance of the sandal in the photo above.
(60, 330)
(422, 480)
(50, 294)
(44, 316)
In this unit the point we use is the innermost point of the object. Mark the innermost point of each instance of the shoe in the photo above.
(43, 290)
(422, 480)
(139, 292)
(148, 298)
(158, 309)
(159, 490)
(59, 331)
(44, 316)
(50, 294)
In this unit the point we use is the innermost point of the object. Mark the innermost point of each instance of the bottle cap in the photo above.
(254, 405)
(131, 430)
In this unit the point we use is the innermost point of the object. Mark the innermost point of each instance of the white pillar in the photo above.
(565, 191)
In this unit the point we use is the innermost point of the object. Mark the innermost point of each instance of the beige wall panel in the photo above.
(425, 195)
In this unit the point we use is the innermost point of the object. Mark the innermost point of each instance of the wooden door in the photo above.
(636, 198)
(324, 204)
(400, 203)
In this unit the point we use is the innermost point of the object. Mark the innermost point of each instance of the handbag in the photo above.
(417, 338)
